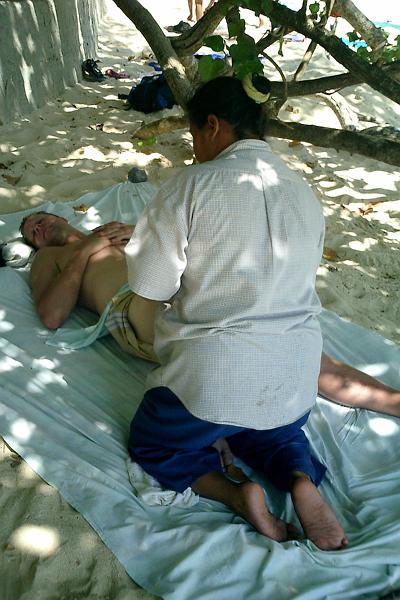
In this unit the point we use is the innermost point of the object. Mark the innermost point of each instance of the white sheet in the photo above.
(68, 413)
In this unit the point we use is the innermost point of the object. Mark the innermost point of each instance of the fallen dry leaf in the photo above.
(12, 179)
(81, 208)
(292, 109)
(365, 211)
(97, 126)
(329, 254)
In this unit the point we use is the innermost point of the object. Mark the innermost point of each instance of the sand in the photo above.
(83, 142)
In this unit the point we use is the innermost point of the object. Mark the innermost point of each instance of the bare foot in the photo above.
(249, 503)
(190, 17)
(316, 517)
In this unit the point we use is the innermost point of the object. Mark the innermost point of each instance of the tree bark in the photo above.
(366, 28)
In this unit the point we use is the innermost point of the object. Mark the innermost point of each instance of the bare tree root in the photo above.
(160, 127)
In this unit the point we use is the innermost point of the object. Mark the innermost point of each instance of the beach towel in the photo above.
(67, 413)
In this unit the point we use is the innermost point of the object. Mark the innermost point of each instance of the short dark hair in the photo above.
(226, 98)
(21, 227)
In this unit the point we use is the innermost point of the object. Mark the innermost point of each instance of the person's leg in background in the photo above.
(199, 9)
(190, 7)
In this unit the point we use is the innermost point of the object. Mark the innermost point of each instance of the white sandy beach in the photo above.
(83, 142)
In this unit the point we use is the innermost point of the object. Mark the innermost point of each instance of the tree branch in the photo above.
(360, 23)
(375, 147)
(191, 41)
(371, 74)
(308, 87)
(305, 61)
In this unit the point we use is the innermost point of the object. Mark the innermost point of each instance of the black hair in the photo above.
(226, 98)
(21, 227)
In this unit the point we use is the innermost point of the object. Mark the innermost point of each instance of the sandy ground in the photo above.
(82, 142)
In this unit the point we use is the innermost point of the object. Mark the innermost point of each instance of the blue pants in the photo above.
(174, 446)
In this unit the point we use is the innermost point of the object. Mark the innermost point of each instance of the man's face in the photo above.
(43, 229)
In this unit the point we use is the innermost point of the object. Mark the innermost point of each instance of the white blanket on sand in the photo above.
(67, 413)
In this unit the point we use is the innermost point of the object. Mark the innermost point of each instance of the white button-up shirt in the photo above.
(235, 244)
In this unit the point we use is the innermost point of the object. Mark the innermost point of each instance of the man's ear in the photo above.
(214, 125)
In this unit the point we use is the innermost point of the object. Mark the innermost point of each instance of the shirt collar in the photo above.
(247, 144)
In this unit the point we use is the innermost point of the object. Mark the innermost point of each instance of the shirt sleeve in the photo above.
(155, 254)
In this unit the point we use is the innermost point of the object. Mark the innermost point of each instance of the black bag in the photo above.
(151, 94)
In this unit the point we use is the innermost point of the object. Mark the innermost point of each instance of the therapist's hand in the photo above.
(117, 233)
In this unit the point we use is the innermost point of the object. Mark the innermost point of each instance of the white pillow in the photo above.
(17, 253)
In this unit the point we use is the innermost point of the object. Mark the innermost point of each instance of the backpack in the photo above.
(151, 94)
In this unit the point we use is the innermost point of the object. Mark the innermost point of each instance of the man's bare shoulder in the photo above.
(48, 254)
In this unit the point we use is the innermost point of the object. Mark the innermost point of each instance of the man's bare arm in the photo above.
(56, 292)
(348, 386)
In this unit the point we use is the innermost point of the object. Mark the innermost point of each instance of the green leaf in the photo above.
(245, 48)
(242, 68)
(209, 68)
(314, 8)
(147, 142)
(363, 53)
(245, 56)
(236, 27)
(353, 36)
(254, 5)
(215, 42)
(266, 7)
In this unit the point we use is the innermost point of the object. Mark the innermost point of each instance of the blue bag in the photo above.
(151, 94)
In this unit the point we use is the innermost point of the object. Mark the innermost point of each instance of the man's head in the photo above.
(42, 229)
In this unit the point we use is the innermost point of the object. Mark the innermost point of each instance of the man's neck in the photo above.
(74, 236)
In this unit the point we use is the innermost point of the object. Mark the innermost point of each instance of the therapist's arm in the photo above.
(143, 311)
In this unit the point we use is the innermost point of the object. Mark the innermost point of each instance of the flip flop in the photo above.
(90, 71)
(115, 75)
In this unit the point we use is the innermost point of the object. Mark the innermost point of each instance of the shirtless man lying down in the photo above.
(73, 268)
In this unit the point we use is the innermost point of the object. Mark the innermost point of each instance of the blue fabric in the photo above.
(68, 413)
(174, 446)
